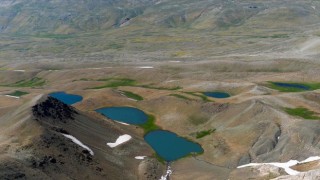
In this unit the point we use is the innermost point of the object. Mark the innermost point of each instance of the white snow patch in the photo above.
(309, 159)
(146, 67)
(123, 123)
(169, 81)
(167, 175)
(17, 97)
(75, 140)
(19, 70)
(121, 139)
(286, 166)
(140, 157)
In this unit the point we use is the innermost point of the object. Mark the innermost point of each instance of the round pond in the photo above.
(127, 115)
(66, 98)
(217, 94)
(170, 146)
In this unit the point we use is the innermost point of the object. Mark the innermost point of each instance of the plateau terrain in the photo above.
(160, 89)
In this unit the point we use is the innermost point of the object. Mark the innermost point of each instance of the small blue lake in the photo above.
(66, 98)
(127, 115)
(292, 85)
(170, 146)
(217, 94)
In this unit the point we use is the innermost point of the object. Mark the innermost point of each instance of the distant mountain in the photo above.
(61, 16)
(71, 16)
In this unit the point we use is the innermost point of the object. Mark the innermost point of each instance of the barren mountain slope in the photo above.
(33, 145)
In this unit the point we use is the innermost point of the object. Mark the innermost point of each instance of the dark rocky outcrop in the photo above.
(52, 108)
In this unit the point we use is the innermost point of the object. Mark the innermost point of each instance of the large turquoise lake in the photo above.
(66, 98)
(170, 146)
(127, 115)
(217, 94)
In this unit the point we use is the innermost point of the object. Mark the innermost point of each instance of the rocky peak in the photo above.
(52, 108)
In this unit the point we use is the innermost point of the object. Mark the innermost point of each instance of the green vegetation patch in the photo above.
(302, 112)
(313, 86)
(132, 95)
(160, 88)
(117, 82)
(274, 36)
(18, 93)
(180, 96)
(115, 46)
(113, 83)
(293, 86)
(149, 125)
(56, 36)
(202, 96)
(159, 158)
(280, 36)
(36, 81)
(83, 79)
(204, 133)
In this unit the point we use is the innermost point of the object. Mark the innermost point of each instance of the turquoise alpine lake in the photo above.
(66, 98)
(217, 94)
(127, 115)
(166, 144)
(170, 146)
(292, 85)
